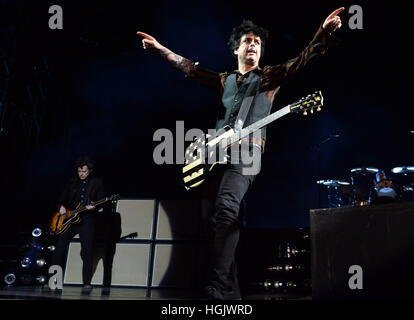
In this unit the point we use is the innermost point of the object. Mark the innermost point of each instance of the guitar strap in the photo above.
(250, 94)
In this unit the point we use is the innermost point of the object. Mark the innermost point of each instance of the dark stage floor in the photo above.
(123, 293)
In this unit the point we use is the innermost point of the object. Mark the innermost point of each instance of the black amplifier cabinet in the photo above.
(363, 252)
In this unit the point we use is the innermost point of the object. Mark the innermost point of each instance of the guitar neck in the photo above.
(97, 203)
(258, 125)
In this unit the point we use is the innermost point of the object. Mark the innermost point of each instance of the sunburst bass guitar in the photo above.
(60, 223)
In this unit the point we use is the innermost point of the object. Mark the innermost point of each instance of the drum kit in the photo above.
(368, 185)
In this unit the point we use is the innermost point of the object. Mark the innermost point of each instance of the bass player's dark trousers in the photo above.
(86, 230)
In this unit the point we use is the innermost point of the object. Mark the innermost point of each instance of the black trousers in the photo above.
(86, 230)
(222, 196)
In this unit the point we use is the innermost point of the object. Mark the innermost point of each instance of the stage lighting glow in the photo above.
(37, 232)
(41, 262)
(37, 247)
(51, 248)
(25, 262)
(41, 279)
(277, 267)
(10, 278)
(267, 284)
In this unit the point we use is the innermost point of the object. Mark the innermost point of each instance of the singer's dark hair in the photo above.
(245, 27)
(85, 161)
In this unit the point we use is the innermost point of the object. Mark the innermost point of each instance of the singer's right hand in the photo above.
(149, 42)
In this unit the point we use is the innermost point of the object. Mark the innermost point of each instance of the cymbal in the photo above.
(403, 170)
(333, 183)
(364, 170)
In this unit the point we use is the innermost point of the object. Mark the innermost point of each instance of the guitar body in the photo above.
(61, 222)
(200, 173)
(196, 170)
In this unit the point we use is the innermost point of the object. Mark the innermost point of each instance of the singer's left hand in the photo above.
(333, 21)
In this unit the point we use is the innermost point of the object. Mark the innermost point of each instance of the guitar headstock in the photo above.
(310, 102)
(115, 197)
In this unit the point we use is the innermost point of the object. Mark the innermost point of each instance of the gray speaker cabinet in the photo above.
(164, 254)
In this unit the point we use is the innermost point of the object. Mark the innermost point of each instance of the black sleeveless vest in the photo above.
(233, 96)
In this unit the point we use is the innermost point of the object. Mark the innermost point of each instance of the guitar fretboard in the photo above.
(258, 125)
(97, 203)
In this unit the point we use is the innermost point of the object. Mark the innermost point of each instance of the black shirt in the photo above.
(81, 192)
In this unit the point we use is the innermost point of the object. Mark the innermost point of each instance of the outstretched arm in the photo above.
(193, 70)
(321, 42)
(149, 42)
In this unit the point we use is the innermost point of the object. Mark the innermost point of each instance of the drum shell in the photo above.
(404, 184)
(363, 188)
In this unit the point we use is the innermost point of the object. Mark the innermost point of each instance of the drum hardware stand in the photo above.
(317, 147)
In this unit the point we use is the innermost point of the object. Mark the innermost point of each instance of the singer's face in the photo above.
(249, 50)
(83, 172)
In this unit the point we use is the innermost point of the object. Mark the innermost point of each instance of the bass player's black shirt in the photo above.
(81, 192)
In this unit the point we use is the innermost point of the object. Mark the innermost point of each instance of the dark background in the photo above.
(91, 89)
